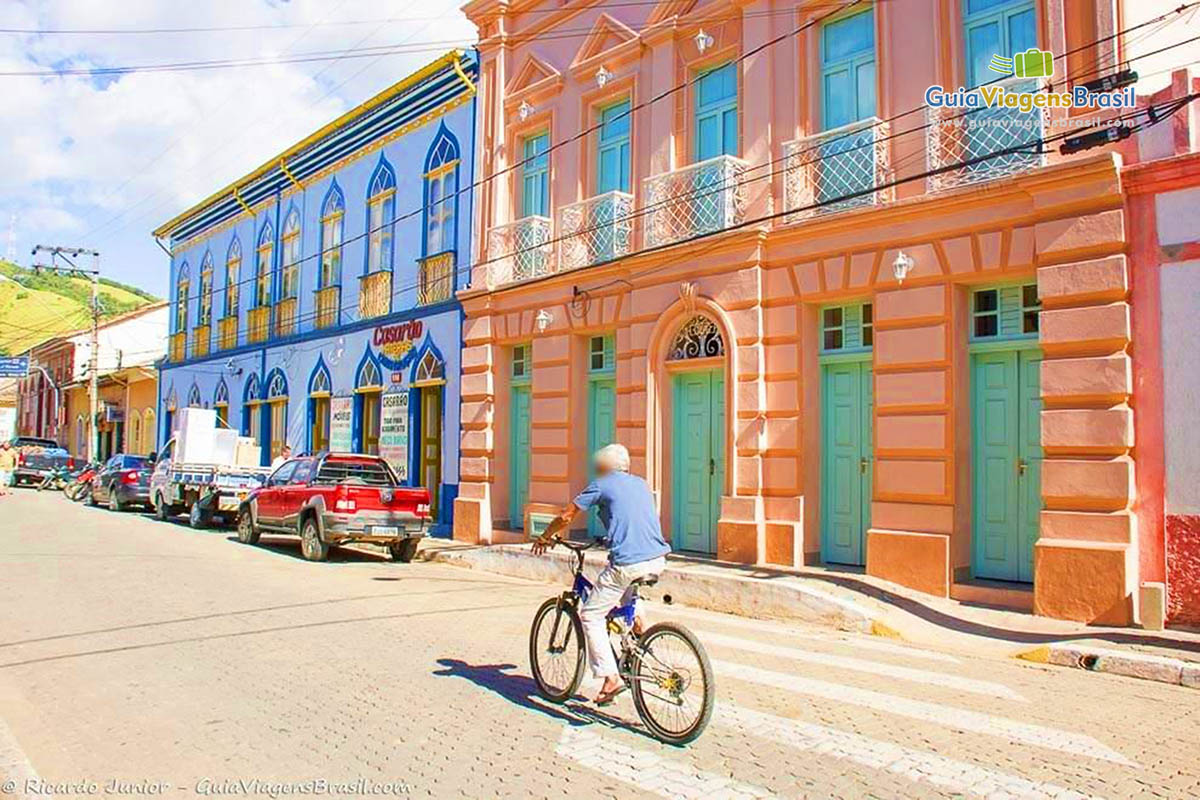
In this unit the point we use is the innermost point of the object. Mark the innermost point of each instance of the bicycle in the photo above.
(661, 688)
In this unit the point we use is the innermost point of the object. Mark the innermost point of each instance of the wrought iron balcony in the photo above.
(227, 332)
(437, 278)
(375, 294)
(258, 324)
(520, 250)
(328, 301)
(595, 230)
(177, 346)
(285, 316)
(957, 135)
(845, 162)
(693, 200)
(201, 341)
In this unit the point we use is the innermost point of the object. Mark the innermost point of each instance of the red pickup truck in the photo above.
(332, 499)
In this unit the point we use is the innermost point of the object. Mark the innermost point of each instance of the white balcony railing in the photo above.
(957, 135)
(595, 230)
(520, 250)
(836, 170)
(693, 200)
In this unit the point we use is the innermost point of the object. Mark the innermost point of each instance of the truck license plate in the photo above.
(384, 530)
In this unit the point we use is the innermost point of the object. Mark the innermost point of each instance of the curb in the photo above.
(694, 587)
(1117, 662)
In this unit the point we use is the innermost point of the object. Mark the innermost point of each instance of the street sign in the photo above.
(14, 366)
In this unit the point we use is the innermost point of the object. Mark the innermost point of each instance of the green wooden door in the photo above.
(1006, 423)
(602, 429)
(518, 481)
(699, 459)
(846, 460)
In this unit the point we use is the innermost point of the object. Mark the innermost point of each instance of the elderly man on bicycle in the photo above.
(636, 550)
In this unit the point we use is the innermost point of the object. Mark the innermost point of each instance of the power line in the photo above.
(1155, 117)
(698, 192)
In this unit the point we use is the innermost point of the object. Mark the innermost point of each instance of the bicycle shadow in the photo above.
(520, 690)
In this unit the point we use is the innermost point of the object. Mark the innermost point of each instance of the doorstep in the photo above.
(847, 599)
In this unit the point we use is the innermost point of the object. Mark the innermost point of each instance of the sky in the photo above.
(99, 162)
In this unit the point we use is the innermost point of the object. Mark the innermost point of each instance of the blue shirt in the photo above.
(627, 511)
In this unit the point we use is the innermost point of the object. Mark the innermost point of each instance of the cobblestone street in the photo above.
(158, 655)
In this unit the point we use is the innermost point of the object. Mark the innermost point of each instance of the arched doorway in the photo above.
(696, 363)
(429, 380)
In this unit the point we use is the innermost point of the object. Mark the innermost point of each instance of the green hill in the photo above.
(36, 306)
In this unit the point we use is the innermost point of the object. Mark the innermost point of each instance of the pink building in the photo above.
(832, 325)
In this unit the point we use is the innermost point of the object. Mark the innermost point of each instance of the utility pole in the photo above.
(66, 254)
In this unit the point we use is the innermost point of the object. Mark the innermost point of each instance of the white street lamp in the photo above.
(902, 266)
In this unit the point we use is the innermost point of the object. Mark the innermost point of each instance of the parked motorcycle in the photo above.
(81, 484)
(57, 479)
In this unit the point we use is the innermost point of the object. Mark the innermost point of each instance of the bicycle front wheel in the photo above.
(673, 687)
(556, 650)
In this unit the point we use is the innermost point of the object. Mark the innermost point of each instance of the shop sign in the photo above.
(341, 422)
(113, 413)
(393, 432)
(396, 340)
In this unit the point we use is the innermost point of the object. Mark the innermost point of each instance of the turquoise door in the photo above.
(602, 429)
(1006, 421)
(699, 459)
(846, 460)
(518, 480)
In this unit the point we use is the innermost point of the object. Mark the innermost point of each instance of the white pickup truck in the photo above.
(207, 493)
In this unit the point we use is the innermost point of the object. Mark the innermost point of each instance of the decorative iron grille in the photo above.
(328, 301)
(375, 294)
(437, 278)
(520, 250)
(698, 338)
(227, 333)
(955, 135)
(696, 199)
(845, 162)
(595, 230)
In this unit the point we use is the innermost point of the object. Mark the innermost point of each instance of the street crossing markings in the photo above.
(950, 716)
(927, 677)
(854, 641)
(956, 776)
(648, 771)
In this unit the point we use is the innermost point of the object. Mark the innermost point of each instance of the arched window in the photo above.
(80, 435)
(319, 389)
(262, 268)
(252, 409)
(233, 273)
(430, 369)
(221, 403)
(381, 214)
(289, 284)
(368, 385)
(333, 212)
(150, 439)
(194, 400)
(698, 338)
(182, 283)
(206, 291)
(277, 399)
(134, 445)
(441, 193)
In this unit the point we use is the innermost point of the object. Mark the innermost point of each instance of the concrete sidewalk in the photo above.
(852, 601)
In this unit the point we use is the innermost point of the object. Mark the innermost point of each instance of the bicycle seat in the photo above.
(647, 580)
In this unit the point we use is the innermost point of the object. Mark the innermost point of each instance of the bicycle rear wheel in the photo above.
(556, 650)
(673, 687)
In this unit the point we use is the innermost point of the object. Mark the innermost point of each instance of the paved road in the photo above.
(183, 661)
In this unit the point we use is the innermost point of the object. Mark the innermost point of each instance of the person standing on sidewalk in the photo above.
(636, 550)
(8, 464)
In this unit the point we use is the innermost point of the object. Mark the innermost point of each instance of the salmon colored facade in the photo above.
(792, 394)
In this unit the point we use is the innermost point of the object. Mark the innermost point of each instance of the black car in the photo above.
(123, 481)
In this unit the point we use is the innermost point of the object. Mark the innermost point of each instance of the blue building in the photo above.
(313, 300)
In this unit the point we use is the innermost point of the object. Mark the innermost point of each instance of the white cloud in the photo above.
(102, 162)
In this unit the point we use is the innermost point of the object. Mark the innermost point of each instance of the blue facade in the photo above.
(338, 267)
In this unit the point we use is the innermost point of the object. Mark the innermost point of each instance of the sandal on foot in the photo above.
(608, 698)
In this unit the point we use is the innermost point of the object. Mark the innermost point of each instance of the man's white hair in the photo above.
(612, 456)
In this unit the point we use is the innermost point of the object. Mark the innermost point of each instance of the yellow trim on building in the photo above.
(451, 59)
